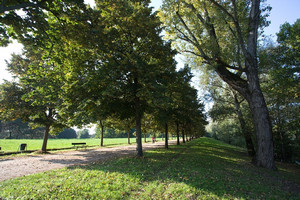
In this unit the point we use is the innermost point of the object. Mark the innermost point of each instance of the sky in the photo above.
(282, 11)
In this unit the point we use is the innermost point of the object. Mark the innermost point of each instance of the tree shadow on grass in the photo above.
(87, 156)
(203, 167)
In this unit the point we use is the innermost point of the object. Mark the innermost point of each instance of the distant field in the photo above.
(9, 145)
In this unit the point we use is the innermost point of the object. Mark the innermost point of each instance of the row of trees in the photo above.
(110, 62)
(17, 129)
(106, 65)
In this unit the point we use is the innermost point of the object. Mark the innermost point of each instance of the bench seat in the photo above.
(79, 144)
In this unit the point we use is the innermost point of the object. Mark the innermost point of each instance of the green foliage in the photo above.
(19, 130)
(121, 67)
(113, 133)
(67, 133)
(230, 113)
(280, 76)
(181, 105)
(35, 97)
(27, 20)
(83, 133)
(202, 169)
(211, 32)
(227, 130)
(118, 72)
(222, 35)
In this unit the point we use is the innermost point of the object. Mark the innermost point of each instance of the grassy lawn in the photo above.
(201, 169)
(9, 145)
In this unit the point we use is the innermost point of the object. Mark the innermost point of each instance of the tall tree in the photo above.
(118, 71)
(35, 97)
(223, 35)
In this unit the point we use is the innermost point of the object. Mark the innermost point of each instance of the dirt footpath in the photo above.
(20, 166)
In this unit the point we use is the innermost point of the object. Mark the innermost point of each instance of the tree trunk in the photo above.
(139, 134)
(251, 91)
(182, 132)
(260, 115)
(128, 136)
(138, 127)
(250, 88)
(261, 119)
(177, 133)
(102, 133)
(166, 136)
(247, 134)
(45, 140)
(280, 131)
(264, 135)
(145, 139)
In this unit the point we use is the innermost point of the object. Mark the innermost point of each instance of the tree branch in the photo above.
(208, 25)
(192, 53)
(229, 66)
(197, 45)
(235, 21)
(234, 80)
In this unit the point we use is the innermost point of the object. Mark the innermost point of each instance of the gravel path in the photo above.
(20, 166)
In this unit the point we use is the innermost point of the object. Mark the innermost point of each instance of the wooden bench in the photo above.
(79, 144)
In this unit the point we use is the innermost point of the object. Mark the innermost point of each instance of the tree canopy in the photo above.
(84, 65)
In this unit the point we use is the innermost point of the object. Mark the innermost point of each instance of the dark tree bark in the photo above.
(138, 128)
(263, 128)
(177, 133)
(45, 139)
(49, 117)
(138, 121)
(261, 119)
(182, 132)
(251, 91)
(166, 136)
(128, 136)
(102, 133)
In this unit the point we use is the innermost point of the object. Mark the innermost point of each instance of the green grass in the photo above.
(201, 169)
(11, 145)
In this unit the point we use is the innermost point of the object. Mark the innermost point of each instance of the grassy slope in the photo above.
(201, 169)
